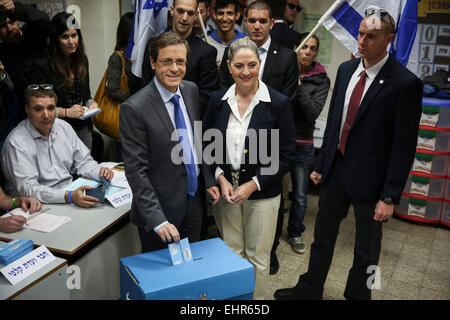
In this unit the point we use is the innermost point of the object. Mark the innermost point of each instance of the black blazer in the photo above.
(285, 36)
(201, 68)
(274, 115)
(381, 144)
(280, 71)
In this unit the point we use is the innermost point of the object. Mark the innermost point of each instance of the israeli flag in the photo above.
(150, 20)
(345, 20)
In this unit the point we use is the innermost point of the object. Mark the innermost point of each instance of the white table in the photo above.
(48, 283)
(94, 240)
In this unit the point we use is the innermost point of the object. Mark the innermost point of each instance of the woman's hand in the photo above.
(75, 111)
(93, 105)
(226, 188)
(244, 191)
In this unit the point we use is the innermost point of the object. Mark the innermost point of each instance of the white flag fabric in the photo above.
(344, 24)
(150, 20)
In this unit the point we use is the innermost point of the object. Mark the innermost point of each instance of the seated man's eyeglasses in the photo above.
(40, 86)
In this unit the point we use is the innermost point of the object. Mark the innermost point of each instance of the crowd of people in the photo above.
(240, 77)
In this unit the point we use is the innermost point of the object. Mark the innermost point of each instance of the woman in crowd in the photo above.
(115, 68)
(70, 74)
(255, 123)
(312, 92)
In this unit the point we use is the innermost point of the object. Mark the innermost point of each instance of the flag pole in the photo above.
(200, 19)
(327, 14)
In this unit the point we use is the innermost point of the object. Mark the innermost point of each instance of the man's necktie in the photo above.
(353, 106)
(188, 156)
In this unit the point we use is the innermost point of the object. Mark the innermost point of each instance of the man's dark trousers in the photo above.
(333, 207)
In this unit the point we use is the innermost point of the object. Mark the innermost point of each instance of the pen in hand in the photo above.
(12, 214)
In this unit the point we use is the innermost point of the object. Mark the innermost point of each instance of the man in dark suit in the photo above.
(281, 33)
(201, 68)
(367, 152)
(279, 64)
(159, 149)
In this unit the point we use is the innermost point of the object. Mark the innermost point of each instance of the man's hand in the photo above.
(8, 5)
(81, 200)
(29, 203)
(214, 192)
(107, 173)
(315, 177)
(12, 224)
(226, 188)
(168, 233)
(244, 191)
(383, 211)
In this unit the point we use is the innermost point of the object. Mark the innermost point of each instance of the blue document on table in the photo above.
(109, 189)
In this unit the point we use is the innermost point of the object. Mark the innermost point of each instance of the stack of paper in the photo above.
(39, 221)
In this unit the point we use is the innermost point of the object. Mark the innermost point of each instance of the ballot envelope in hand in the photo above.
(100, 191)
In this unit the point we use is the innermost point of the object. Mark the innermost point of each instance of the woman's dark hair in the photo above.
(77, 62)
(304, 35)
(123, 31)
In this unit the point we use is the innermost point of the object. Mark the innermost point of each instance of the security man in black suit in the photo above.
(367, 152)
(201, 67)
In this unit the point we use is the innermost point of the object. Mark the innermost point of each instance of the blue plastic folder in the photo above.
(15, 249)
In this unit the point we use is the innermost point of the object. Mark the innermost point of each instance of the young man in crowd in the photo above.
(201, 68)
(225, 14)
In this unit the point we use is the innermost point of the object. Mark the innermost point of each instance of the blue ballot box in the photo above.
(216, 273)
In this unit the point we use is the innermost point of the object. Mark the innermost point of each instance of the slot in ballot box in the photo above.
(216, 273)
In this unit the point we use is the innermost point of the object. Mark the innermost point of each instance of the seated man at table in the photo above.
(42, 153)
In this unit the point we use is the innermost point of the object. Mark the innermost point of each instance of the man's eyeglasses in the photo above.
(40, 86)
(170, 62)
(293, 6)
